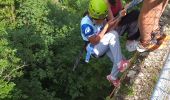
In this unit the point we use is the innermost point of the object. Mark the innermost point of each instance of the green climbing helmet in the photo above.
(98, 9)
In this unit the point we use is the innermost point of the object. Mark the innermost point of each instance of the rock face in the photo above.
(144, 74)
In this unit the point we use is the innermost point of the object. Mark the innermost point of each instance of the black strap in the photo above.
(85, 45)
(80, 55)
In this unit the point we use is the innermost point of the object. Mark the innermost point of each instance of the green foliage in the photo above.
(9, 65)
(126, 90)
(7, 2)
(5, 88)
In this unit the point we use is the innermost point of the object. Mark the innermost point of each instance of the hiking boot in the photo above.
(147, 46)
(158, 34)
(159, 37)
(131, 45)
(113, 80)
(123, 65)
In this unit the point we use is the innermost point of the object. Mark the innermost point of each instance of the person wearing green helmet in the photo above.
(96, 11)
(102, 39)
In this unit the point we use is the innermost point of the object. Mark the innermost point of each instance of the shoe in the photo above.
(113, 80)
(149, 46)
(123, 65)
(131, 45)
(158, 34)
(159, 37)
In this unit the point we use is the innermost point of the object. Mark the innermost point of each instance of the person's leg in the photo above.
(133, 29)
(103, 46)
(158, 30)
(133, 32)
(162, 6)
(114, 53)
(114, 71)
(115, 49)
(129, 24)
(109, 44)
(148, 20)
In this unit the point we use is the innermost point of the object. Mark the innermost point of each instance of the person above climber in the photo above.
(102, 40)
(127, 24)
(151, 33)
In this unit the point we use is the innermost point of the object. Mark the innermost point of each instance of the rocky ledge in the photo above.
(144, 74)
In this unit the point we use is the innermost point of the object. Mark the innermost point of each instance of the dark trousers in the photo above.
(129, 24)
